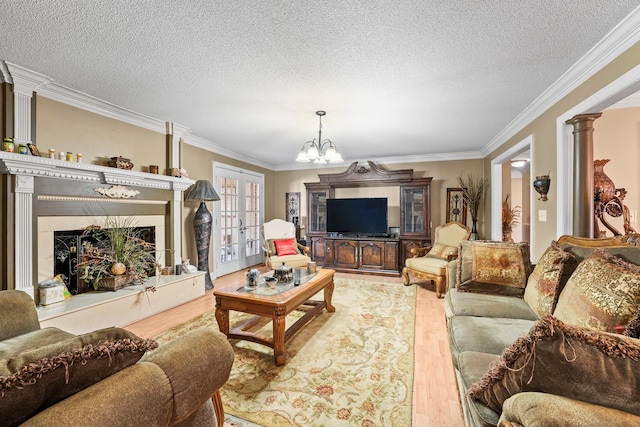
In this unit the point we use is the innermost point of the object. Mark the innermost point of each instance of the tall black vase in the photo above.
(202, 227)
(474, 230)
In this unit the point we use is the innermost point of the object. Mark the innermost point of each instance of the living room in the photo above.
(37, 110)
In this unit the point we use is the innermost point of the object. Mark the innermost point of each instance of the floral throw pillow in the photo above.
(438, 250)
(493, 267)
(602, 293)
(548, 278)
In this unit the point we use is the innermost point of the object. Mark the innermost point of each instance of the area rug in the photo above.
(353, 367)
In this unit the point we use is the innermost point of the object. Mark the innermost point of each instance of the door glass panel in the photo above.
(252, 214)
(229, 220)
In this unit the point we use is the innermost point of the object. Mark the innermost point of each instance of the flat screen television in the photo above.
(361, 216)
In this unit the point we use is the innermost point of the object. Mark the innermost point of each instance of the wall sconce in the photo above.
(541, 185)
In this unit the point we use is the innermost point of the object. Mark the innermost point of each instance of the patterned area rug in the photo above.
(353, 367)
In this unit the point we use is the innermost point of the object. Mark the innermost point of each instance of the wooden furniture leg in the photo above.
(218, 408)
(222, 317)
(328, 295)
(278, 339)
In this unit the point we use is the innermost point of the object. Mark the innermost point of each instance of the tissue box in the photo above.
(51, 294)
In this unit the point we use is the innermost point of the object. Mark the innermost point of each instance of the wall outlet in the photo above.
(542, 215)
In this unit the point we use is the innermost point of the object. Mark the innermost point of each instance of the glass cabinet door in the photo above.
(413, 210)
(317, 213)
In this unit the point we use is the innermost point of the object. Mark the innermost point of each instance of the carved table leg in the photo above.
(222, 316)
(328, 294)
(278, 339)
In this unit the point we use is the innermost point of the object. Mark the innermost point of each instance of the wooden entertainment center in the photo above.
(373, 255)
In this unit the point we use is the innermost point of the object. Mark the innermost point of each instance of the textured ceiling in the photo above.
(397, 78)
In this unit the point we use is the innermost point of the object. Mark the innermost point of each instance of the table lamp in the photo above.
(203, 191)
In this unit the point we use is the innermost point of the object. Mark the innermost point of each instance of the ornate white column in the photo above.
(25, 83)
(24, 243)
(176, 133)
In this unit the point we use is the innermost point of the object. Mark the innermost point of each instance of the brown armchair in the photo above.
(430, 262)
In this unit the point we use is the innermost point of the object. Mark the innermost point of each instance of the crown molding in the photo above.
(26, 81)
(199, 142)
(92, 104)
(615, 43)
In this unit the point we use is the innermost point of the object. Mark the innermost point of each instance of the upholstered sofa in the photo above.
(109, 377)
(556, 349)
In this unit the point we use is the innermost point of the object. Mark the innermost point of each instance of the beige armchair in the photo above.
(430, 262)
(281, 245)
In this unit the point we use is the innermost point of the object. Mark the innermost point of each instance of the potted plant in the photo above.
(115, 255)
(473, 190)
(510, 217)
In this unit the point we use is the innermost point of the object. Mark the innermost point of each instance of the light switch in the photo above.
(633, 215)
(542, 215)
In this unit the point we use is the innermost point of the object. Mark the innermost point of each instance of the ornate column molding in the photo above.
(583, 208)
(23, 189)
(176, 134)
(25, 83)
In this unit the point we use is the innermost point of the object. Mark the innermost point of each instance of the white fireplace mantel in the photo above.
(25, 165)
(25, 168)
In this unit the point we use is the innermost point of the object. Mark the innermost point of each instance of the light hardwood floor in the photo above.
(435, 397)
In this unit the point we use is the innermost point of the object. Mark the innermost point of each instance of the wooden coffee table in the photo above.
(275, 307)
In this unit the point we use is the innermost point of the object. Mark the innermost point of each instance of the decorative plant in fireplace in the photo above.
(115, 255)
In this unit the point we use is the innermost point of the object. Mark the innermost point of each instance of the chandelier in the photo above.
(319, 151)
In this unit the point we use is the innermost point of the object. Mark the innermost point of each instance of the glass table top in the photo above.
(300, 277)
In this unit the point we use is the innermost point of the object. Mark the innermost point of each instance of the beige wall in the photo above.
(544, 150)
(199, 165)
(67, 128)
(444, 174)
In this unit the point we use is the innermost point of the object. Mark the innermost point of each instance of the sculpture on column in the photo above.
(608, 200)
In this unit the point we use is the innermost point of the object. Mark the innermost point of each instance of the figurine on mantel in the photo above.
(188, 268)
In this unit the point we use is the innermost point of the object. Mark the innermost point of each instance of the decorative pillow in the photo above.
(43, 376)
(440, 251)
(633, 328)
(564, 360)
(602, 293)
(548, 278)
(286, 247)
(493, 267)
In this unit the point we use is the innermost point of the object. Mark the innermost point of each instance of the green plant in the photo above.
(118, 242)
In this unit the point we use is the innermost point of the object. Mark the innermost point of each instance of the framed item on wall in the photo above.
(456, 206)
(293, 207)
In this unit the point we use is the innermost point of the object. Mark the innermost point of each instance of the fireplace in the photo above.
(60, 246)
(68, 248)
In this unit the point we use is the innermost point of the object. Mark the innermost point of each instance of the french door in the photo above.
(238, 218)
